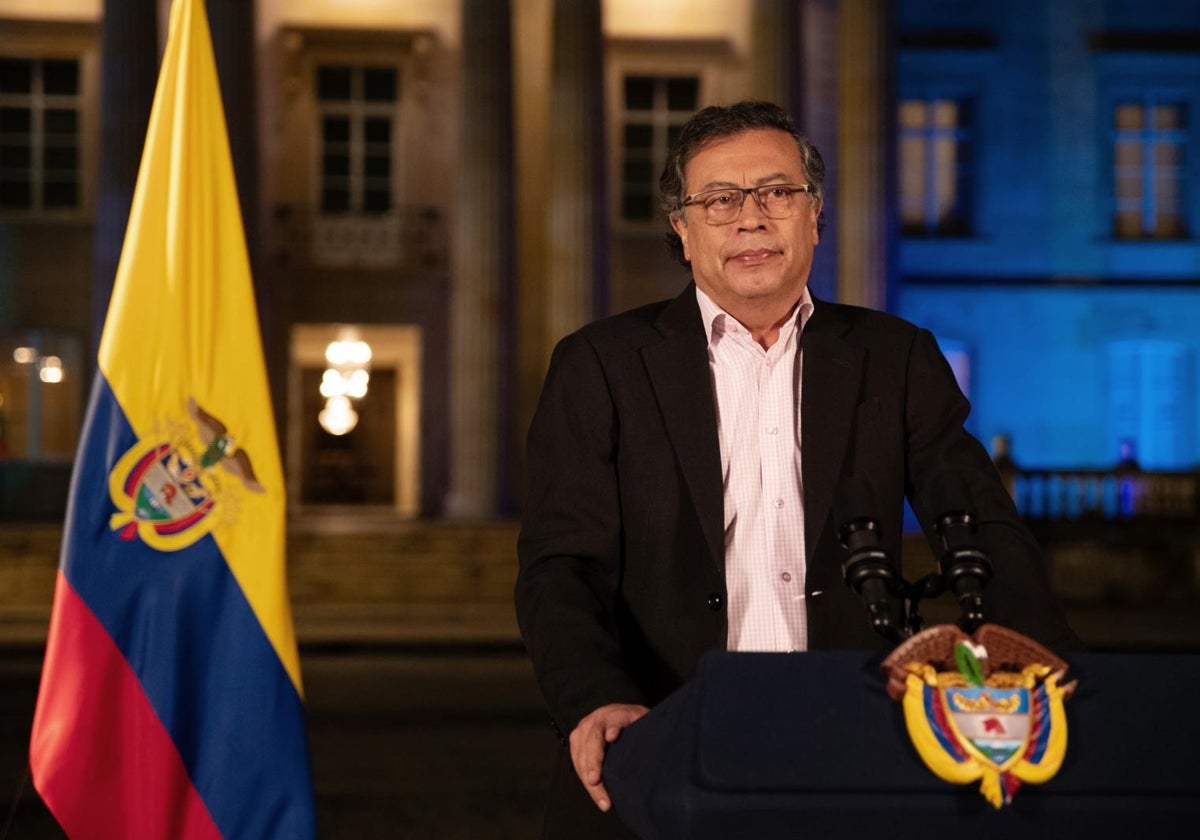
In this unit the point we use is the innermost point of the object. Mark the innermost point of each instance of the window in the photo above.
(40, 108)
(1146, 133)
(654, 108)
(356, 112)
(1149, 148)
(652, 87)
(40, 395)
(357, 147)
(367, 451)
(935, 158)
(1151, 399)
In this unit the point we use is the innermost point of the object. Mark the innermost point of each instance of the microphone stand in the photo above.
(965, 568)
(929, 586)
(868, 572)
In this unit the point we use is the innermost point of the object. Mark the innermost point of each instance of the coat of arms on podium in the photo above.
(985, 708)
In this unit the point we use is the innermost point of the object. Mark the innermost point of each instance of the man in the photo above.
(684, 458)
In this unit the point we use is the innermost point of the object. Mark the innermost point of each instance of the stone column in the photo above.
(794, 64)
(235, 49)
(577, 265)
(532, 55)
(776, 54)
(128, 72)
(819, 120)
(482, 297)
(866, 147)
(232, 25)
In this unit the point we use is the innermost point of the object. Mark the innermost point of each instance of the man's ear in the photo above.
(681, 228)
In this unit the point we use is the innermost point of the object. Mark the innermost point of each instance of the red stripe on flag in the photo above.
(101, 759)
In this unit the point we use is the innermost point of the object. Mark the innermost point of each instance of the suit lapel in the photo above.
(679, 373)
(832, 371)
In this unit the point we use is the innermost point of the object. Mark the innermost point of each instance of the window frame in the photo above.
(303, 50)
(1170, 78)
(351, 239)
(46, 441)
(1147, 138)
(395, 347)
(78, 41)
(961, 73)
(660, 118)
(966, 172)
(357, 109)
(712, 62)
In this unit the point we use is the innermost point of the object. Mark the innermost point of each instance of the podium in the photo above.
(809, 745)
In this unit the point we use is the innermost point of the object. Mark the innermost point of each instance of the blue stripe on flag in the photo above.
(188, 632)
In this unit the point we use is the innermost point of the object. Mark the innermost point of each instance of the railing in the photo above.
(1147, 513)
(1104, 494)
(408, 234)
(1118, 537)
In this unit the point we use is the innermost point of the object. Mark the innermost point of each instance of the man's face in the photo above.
(753, 262)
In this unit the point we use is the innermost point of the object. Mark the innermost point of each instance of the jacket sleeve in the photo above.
(570, 542)
(941, 454)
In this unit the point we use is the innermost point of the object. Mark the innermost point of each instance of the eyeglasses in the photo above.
(776, 201)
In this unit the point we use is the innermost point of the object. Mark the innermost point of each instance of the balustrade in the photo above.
(408, 234)
(1104, 494)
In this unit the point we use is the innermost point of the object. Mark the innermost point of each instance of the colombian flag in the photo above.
(170, 704)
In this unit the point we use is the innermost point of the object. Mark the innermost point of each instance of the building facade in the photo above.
(1049, 181)
(459, 183)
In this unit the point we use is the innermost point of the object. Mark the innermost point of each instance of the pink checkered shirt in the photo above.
(758, 420)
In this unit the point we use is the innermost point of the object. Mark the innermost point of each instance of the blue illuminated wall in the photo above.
(1076, 340)
(1046, 368)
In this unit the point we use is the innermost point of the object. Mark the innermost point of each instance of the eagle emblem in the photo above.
(169, 491)
(986, 708)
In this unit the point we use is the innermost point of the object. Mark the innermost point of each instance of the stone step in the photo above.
(352, 577)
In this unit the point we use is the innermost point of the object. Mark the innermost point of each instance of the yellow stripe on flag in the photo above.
(182, 321)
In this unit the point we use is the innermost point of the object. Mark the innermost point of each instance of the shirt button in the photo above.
(772, 430)
(778, 503)
(787, 577)
(715, 601)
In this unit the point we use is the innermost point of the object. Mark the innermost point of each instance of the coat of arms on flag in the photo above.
(167, 490)
(986, 708)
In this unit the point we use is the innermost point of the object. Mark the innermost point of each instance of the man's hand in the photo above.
(589, 740)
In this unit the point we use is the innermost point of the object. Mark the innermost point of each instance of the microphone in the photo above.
(866, 569)
(964, 566)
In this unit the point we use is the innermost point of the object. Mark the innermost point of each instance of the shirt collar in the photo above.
(714, 316)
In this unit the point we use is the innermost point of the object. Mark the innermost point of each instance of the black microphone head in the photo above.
(866, 568)
(950, 501)
(964, 566)
(854, 505)
(855, 517)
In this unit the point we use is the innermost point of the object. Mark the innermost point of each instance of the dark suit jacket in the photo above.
(621, 585)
